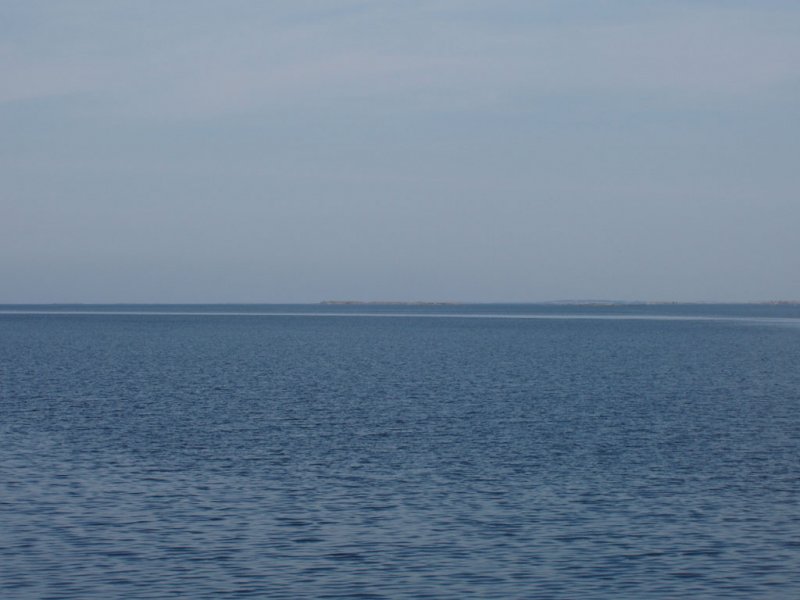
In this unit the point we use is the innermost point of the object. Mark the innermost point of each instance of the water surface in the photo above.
(286, 451)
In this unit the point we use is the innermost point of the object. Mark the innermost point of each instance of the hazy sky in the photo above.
(518, 150)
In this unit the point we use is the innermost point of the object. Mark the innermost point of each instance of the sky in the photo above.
(443, 150)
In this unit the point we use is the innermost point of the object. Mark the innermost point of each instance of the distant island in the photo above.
(550, 303)
(387, 303)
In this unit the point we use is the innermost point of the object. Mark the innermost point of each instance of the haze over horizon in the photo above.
(448, 150)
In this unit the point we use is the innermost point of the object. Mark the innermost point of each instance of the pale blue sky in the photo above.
(250, 151)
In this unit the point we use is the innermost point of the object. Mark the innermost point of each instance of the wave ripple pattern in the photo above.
(150, 456)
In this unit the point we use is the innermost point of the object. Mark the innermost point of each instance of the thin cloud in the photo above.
(257, 59)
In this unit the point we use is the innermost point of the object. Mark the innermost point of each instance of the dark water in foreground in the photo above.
(197, 455)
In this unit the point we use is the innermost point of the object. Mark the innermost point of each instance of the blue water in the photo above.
(382, 452)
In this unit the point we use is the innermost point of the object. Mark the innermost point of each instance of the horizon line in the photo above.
(560, 302)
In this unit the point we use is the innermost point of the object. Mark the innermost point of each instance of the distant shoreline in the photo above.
(388, 303)
(555, 303)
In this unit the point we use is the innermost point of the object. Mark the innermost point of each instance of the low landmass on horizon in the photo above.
(550, 302)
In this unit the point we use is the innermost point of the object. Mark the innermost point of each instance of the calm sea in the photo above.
(493, 451)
